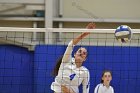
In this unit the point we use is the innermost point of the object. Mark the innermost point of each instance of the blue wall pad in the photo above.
(23, 71)
(124, 62)
(16, 74)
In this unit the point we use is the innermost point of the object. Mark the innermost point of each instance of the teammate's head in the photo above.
(80, 55)
(106, 77)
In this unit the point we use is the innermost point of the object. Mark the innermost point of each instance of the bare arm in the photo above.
(81, 36)
(75, 41)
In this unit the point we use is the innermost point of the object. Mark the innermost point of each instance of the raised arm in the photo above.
(81, 36)
(69, 49)
(76, 40)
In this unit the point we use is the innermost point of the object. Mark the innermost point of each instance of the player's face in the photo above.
(81, 55)
(107, 77)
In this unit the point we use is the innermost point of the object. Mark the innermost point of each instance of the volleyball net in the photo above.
(29, 55)
(34, 36)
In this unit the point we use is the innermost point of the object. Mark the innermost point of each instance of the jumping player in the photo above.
(71, 73)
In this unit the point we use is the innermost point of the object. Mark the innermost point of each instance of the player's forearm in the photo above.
(89, 26)
(80, 37)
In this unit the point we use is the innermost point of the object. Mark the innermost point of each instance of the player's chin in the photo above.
(108, 81)
(80, 60)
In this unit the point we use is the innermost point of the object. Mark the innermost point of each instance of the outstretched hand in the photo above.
(91, 26)
(84, 34)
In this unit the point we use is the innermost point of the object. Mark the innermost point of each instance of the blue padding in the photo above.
(123, 61)
(44, 61)
(16, 74)
(22, 71)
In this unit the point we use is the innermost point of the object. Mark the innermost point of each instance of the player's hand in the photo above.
(66, 89)
(91, 26)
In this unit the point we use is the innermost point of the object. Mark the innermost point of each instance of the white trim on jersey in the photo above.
(69, 75)
(100, 88)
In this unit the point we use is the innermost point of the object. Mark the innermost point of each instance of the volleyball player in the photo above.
(71, 73)
(104, 86)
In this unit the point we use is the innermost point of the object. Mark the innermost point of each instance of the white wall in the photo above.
(125, 9)
(23, 1)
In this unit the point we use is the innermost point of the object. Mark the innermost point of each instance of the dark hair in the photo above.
(104, 73)
(56, 68)
(58, 63)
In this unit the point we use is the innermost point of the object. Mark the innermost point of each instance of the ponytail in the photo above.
(56, 68)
